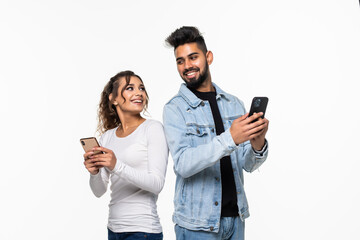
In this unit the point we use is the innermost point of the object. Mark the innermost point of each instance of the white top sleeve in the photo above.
(152, 179)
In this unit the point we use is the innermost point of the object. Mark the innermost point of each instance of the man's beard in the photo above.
(196, 83)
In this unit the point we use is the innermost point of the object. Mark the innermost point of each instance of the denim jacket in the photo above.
(196, 151)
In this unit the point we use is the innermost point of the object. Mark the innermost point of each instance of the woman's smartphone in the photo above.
(89, 143)
(258, 104)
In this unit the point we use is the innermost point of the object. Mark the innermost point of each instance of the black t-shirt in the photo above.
(229, 206)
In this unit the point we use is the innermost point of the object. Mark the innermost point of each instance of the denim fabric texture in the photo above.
(134, 236)
(231, 228)
(196, 151)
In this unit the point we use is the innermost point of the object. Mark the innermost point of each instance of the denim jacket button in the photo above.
(212, 130)
(197, 131)
(216, 203)
(202, 104)
(211, 228)
(217, 178)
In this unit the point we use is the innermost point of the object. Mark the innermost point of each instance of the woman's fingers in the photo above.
(107, 159)
(88, 154)
(102, 149)
(100, 157)
(100, 160)
(91, 167)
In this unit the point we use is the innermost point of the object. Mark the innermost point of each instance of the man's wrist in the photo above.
(263, 149)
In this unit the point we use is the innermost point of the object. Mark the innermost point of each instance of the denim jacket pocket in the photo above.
(197, 135)
(196, 131)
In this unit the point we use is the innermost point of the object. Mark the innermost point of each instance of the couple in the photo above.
(211, 140)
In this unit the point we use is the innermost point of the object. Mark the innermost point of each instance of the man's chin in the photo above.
(190, 80)
(193, 84)
(186, 79)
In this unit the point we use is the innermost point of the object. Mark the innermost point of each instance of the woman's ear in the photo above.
(110, 99)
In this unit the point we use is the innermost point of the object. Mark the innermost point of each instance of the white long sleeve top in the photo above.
(137, 178)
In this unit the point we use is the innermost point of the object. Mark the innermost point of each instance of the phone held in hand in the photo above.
(89, 143)
(258, 104)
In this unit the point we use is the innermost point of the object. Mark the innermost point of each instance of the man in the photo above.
(211, 139)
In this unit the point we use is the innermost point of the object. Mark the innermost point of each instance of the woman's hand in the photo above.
(90, 166)
(107, 159)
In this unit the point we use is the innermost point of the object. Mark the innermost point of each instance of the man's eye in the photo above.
(193, 57)
(179, 62)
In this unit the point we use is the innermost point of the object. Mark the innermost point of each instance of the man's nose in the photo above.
(187, 64)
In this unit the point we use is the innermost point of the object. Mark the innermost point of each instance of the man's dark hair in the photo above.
(186, 35)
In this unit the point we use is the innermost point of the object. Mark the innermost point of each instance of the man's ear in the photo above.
(209, 57)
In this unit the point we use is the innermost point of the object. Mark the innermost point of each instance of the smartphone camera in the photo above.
(257, 102)
(83, 143)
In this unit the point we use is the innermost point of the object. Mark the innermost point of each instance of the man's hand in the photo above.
(242, 130)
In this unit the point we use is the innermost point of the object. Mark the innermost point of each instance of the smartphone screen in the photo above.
(89, 143)
(258, 104)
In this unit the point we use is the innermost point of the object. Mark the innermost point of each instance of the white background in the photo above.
(56, 56)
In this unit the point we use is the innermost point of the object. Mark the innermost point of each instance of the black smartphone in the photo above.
(258, 104)
(89, 143)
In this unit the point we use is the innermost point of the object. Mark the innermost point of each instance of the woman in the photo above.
(135, 159)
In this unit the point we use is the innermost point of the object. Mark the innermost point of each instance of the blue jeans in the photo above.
(134, 236)
(231, 228)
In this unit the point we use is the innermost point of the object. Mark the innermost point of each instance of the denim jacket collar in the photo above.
(193, 100)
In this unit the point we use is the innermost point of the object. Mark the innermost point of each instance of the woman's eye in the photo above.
(129, 88)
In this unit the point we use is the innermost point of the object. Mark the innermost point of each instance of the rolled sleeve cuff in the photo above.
(262, 151)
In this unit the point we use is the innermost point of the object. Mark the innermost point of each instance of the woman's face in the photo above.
(133, 99)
